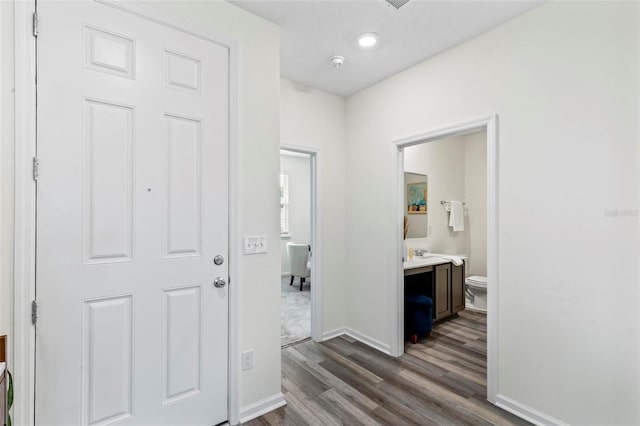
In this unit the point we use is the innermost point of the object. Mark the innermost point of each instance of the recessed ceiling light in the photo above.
(368, 39)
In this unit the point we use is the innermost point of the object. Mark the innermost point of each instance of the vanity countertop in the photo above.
(430, 259)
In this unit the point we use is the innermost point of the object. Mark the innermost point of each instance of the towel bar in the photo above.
(447, 205)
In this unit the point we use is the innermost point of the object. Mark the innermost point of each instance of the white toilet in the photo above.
(476, 292)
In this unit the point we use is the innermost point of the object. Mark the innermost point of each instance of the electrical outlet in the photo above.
(255, 244)
(247, 360)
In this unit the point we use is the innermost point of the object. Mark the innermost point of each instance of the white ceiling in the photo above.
(313, 31)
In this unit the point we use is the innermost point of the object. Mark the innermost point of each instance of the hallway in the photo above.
(440, 380)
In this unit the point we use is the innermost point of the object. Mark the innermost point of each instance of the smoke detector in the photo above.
(336, 61)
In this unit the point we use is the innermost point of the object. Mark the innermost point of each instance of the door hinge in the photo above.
(34, 312)
(35, 24)
(36, 168)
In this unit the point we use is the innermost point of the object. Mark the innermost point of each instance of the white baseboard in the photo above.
(363, 338)
(261, 407)
(527, 413)
(369, 341)
(333, 333)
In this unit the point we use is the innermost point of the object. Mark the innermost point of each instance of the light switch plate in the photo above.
(255, 244)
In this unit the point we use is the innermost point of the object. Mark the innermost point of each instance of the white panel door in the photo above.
(132, 209)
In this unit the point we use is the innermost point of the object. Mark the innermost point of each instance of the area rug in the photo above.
(295, 320)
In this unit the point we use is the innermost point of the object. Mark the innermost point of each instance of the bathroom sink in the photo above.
(428, 260)
(432, 257)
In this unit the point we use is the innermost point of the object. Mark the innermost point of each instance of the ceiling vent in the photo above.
(397, 3)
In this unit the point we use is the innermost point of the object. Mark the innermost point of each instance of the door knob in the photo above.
(219, 282)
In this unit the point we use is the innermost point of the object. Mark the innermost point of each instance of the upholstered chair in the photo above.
(300, 265)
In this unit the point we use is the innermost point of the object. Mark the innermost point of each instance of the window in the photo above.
(284, 203)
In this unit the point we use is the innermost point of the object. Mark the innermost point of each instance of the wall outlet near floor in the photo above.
(255, 244)
(247, 359)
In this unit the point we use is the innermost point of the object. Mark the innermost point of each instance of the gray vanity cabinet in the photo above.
(444, 283)
(442, 292)
(448, 290)
(457, 288)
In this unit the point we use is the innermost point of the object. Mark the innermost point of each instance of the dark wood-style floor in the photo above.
(439, 381)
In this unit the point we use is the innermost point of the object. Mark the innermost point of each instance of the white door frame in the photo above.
(25, 200)
(316, 241)
(490, 125)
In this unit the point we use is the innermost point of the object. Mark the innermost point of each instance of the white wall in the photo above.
(258, 279)
(315, 119)
(564, 80)
(299, 170)
(475, 195)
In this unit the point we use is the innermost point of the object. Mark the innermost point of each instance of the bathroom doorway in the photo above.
(451, 169)
(445, 185)
(298, 245)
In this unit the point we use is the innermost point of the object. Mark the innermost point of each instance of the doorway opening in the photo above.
(439, 238)
(449, 258)
(298, 245)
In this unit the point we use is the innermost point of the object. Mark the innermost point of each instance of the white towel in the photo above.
(456, 215)
(457, 261)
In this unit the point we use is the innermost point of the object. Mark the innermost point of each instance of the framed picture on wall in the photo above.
(417, 198)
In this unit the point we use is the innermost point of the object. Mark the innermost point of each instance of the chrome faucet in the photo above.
(420, 252)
